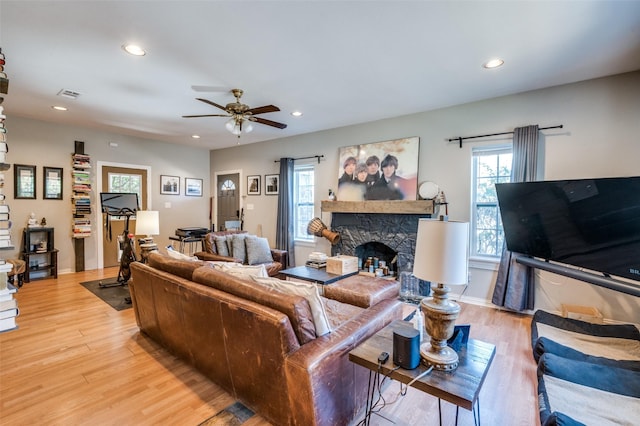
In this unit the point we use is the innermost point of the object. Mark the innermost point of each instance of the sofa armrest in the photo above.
(326, 388)
(280, 256)
(203, 255)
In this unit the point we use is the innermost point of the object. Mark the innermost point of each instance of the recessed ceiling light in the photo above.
(133, 49)
(493, 63)
(195, 136)
(297, 113)
(59, 108)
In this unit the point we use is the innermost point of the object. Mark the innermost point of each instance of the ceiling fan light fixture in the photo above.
(230, 125)
(247, 127)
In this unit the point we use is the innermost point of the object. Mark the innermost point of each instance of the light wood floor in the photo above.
(75, 360)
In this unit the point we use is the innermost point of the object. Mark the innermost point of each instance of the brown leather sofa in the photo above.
(257, 343)
(209, 252)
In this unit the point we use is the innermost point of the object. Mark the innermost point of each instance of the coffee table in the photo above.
(318, 276)
(460, 387)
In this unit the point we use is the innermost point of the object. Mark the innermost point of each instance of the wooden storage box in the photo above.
(582, 313)
(342, 265)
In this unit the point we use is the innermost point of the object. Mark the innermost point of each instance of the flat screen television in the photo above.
(119, 203)
(586, 223)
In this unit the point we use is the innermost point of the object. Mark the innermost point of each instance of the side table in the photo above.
(460, 386)
(318, 276)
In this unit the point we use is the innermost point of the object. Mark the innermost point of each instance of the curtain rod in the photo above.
(304, 158)
(460, 139)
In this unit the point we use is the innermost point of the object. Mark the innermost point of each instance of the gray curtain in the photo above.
(284, 226)
(514, 287)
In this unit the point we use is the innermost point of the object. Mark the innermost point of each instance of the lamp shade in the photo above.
(442, 251)
(147, 222)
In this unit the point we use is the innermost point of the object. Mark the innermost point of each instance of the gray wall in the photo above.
(599, 139)
(45, 144)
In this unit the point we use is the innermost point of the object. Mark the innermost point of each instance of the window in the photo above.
(303, 196)
(122, 182)
(490, 166)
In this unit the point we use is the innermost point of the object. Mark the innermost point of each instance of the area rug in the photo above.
(234, 415)
(113, 296)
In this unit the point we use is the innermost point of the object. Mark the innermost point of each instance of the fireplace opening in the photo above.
(378, 250)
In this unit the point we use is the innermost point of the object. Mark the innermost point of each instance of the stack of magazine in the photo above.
(317, 260)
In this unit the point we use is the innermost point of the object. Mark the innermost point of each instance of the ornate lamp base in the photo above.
(440, 315)
(445, 359)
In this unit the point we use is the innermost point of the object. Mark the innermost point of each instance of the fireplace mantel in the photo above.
(379, 206)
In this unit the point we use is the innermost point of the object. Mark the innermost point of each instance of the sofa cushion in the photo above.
(361, 290)
(295, 307)
(258, 250)
(181, 268)
(309, 292)
(340, 313)
(221, 245)
(238, 248)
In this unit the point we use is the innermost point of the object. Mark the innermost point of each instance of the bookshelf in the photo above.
(39, 253)
(5, 222)
(81, 200)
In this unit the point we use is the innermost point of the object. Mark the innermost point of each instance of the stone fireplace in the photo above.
(395, 231)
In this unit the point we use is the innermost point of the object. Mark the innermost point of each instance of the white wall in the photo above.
(45, 144)
(600, 138)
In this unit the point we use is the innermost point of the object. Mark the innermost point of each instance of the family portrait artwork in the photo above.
(379, 171)
(253, 185)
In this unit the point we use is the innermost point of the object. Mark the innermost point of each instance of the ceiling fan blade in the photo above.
(206, 101)
(263, 109)
(269, 122)
(206, 115)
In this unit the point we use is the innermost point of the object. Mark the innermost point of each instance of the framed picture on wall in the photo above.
(52, 183)
(170, 185)
(385, 170)
(24, 180)
(271, 184)
(193, 187)
(253, 185)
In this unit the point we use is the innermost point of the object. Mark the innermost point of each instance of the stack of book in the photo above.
(317, 260)
(8, 304)
(81, 197)
(5, 224)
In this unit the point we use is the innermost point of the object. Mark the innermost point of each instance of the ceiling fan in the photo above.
(241, 115)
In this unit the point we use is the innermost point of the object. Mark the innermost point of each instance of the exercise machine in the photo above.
(115, 204)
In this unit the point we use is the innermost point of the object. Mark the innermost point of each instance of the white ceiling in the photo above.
(340, 62)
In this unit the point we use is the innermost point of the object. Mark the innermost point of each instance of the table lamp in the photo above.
(441, 257)
(147, 223)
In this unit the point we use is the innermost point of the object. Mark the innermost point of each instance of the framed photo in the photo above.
(193, 187)
(271, 184)
(52, 188)
(253, 185)
(169, 185)
(24, 179)
(379, 171)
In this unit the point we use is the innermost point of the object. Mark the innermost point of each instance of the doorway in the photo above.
(119, 178)
(228, 201)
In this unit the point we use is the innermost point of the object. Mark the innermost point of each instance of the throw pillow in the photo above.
(180, 256)
(309, 292)
(221, 245)
(238, 248)
(258, 250)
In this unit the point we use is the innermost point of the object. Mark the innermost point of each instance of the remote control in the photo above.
(384, 356)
